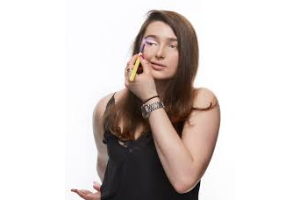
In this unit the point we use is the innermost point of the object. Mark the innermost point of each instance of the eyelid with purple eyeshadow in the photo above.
(148, 40)
(144, 42)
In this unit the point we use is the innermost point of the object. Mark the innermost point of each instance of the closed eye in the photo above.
(173, 46)
(150, 43)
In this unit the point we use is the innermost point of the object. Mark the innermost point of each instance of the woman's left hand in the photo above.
(143, 85)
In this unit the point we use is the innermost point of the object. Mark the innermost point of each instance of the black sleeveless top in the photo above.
(134, 171)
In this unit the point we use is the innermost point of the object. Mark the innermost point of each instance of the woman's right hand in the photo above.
(88, 195)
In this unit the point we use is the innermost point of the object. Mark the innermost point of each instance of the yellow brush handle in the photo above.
(135, 68)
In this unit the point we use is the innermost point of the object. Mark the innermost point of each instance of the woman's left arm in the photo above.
(186, 159)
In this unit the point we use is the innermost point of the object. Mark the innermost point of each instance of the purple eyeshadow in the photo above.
(144, 41)
(142, 46)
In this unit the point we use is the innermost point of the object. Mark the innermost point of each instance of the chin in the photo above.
(161, 78)
(160, 75)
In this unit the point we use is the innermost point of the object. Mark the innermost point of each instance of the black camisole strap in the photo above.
(110, 102)
(108, 105)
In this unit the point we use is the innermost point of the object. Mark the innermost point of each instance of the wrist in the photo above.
(153, 104)
(155, 99)
(146, 101)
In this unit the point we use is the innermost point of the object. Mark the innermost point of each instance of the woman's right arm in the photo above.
(102, 156)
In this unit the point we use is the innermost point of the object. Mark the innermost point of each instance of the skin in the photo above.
(164, 51)
(88, 195)
(199, 135)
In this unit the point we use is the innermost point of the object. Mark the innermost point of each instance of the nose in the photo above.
(160, 52)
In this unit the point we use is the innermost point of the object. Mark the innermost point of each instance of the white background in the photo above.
(57, 60)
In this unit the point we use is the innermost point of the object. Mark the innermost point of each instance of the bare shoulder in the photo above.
(120, 94)
(101, 105)
(98, 128)
(98, 119)
(204, 98)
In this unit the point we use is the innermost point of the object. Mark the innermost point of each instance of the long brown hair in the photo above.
(179, 95)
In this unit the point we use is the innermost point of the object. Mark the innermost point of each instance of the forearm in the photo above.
(174, 156)
(101, 167)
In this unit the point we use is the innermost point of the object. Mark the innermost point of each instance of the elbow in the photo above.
(180, 189)
(183, 186)
(186, 184)
(188, 181)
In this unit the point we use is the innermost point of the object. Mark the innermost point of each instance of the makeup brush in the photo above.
(137, 62)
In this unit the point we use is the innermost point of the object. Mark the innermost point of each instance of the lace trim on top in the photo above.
(132, 145)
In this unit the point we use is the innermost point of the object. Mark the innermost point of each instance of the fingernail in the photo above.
(95, 183)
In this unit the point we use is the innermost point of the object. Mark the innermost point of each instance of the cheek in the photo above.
(174, 60)
(148, 53)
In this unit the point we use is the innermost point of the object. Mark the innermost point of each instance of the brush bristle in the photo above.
(142, 47)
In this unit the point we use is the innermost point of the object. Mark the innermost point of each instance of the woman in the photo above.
(162, 152)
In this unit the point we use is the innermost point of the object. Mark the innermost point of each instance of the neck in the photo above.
(161, 87)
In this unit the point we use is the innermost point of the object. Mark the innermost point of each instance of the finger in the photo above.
(127, 75)
(79, 193)
(127, 81)
(76, 190)
(96, 183)
(130, 65)
(82, 195)
(146, 65)
(131, 62)
(128, 71)
(97, 187)
(85, 191)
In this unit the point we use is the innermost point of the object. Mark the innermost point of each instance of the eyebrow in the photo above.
(156, 37)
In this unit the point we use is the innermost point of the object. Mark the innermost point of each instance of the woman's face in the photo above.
(161, 49)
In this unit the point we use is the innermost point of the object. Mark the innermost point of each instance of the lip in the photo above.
(157, 66)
